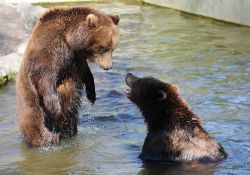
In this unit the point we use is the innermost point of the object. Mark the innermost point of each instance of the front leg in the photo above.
(88, 80)
(49, 98)
(47, 91)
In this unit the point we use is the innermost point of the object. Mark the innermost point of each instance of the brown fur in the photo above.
(55, 69)
(174, 133)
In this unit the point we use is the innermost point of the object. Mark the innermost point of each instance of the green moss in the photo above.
(3, 80)
(11, 76)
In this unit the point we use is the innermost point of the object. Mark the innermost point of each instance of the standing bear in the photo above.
(54, 70)
(174, 131)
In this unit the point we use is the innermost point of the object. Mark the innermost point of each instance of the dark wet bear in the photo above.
(174, 133)
(55, 69)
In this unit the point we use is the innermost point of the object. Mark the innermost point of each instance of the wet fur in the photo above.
(174, 133)
(53, 72)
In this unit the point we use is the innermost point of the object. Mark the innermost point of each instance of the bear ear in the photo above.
(184, 102)
(175, 87)
(161, 95)
(92, 20)
(115, 19)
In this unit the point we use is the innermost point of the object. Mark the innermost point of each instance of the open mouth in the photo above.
(129, 80)
(127, 91)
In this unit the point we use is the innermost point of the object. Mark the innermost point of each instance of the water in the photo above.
(209, 60)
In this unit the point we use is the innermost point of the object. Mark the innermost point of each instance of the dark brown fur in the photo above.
(55, 69)
(174, 131)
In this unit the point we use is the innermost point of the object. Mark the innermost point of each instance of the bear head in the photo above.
(95, 38)
(154, 97)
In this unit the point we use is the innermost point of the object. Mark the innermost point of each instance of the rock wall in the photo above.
(235, 11)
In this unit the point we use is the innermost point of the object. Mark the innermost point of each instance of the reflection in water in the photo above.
(209, 60)
(36, 159)
(177, 169)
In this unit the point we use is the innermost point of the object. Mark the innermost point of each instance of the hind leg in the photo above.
(31, 124)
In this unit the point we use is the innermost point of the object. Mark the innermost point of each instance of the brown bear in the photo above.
(54, 70)
(174, 131)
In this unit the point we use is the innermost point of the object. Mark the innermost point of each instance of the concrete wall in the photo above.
(236, 11)
(42, 1)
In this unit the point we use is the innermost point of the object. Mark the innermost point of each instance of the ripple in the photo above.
(114, 94)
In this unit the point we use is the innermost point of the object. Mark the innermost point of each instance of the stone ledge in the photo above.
(9, 66)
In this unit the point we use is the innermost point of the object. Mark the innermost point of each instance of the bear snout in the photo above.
(104, 60)
(107, 68)
(130, 79)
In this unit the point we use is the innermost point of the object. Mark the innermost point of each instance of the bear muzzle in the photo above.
(104, 61)
(130, 80)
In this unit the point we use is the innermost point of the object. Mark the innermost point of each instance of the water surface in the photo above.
(210, 62)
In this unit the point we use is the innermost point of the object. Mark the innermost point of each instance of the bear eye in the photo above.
(103, 50)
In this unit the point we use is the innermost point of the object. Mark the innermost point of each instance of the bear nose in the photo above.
(130, 78)
(129, 75)
(107, 68)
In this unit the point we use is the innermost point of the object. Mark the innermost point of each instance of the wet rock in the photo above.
(12, 34)
(12, 30)
(16, 24)
(10, 63)
(29, 14)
